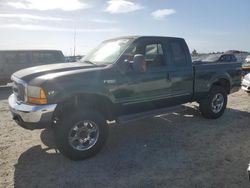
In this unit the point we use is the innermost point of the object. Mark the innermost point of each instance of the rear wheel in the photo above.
(215, 104)
(81, 135)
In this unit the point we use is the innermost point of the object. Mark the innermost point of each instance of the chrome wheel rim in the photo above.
(83, 135)
(217, 103)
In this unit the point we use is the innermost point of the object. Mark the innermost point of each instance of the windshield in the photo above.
(107, 52)
(212, 58)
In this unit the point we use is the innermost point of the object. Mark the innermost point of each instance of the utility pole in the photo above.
(75, 41)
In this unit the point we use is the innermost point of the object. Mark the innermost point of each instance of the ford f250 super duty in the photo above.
(120, 79)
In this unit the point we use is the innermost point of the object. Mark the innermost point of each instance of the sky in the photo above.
(207, 26)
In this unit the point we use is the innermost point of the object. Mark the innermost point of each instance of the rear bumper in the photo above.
(31, 116)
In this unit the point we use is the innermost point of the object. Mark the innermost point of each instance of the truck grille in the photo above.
(19, 89)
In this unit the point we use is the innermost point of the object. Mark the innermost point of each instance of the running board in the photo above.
(143, 115)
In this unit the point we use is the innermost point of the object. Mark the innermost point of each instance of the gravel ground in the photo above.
(180, 149)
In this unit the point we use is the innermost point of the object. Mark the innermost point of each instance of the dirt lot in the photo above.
(180, 149)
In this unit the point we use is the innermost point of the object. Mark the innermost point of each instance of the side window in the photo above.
(10, 57)
(225, 58)
(49, 57)
(37, 58)
(2, 61)
(178, 53)
(23, 58)
(59, 58)
(233, 58)
(154, 55)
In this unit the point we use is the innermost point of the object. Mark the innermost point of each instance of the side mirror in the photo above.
(138, 63)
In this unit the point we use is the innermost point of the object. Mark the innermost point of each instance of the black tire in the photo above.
(63, 129)
(206, 105)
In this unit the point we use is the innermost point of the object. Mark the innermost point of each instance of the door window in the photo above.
(154, 55)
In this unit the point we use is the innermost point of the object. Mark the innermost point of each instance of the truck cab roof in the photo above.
(144, 37)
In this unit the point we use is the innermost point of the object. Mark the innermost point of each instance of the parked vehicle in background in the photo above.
(14, 60)
(122, 79)
(247, 60)
(246, 66)
(246, 83)
(220, 58)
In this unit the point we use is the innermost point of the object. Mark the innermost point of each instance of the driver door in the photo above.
(146, 90)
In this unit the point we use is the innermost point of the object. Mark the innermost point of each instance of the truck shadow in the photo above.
(146, 153)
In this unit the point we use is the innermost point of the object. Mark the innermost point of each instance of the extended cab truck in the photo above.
(120, 79)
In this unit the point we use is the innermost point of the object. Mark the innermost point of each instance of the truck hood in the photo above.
(33, 72)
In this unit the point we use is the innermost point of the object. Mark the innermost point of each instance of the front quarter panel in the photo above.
(63, 87)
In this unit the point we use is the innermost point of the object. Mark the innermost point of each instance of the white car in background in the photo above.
(246, 83)
(246, 66)
(248, 59)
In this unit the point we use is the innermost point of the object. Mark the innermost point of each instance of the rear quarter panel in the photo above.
(206, 74)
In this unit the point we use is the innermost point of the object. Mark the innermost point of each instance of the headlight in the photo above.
(36, 95)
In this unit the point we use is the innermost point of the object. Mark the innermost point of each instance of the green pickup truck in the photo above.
(122, 79)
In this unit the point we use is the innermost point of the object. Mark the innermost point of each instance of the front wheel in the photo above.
(215, 104)
(82, 134)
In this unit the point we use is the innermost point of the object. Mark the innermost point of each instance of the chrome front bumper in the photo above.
(245, 85)
(25, 114)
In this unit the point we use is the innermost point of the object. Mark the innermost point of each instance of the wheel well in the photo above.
(79, 101)
(223, 83)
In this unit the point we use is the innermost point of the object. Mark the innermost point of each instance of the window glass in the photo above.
(234, 58)
(37, 57)
(2, 59)
(160, 50)
(225, 58)
(22, 57)
(228, 58)
(108, 52)
(59, 58)
(150, 52)
(49, 57)
(178, 52)
(154, 55)
(10, 57)
(222, 58)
